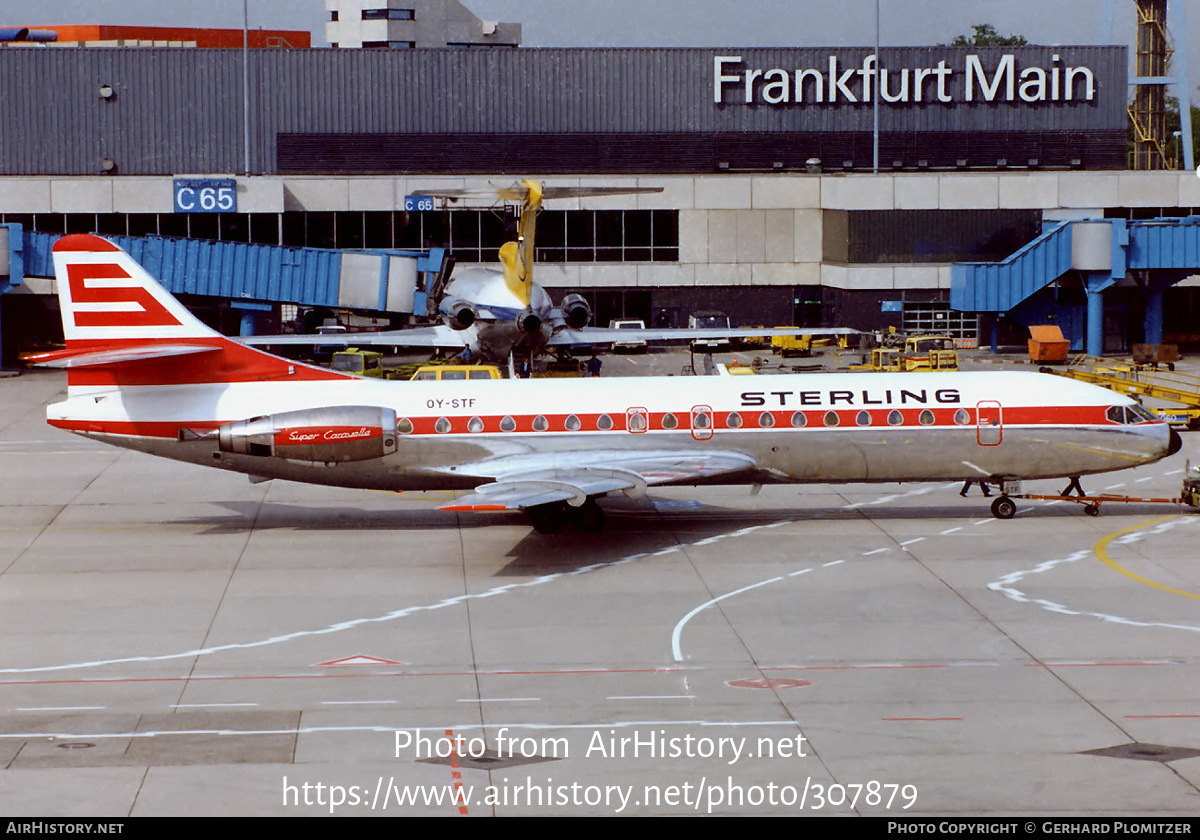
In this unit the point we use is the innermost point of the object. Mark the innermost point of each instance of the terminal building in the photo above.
(808, 187)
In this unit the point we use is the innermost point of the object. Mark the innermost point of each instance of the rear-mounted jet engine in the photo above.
(336, 433)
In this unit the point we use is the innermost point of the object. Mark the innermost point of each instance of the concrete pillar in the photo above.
(1154, 314)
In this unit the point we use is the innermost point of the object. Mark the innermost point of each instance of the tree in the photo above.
(1173, 149)
(985, 35)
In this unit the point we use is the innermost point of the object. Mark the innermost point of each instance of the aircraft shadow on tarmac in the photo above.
(631, 528)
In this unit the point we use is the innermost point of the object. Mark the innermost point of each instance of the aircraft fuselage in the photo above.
(797, 428)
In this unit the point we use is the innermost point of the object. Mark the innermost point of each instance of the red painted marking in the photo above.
(1093, 664)
(769, 682)
(848, 667)
(360, 659)
(457, 777)
(474, 507)
(565, 672)
(150, 313)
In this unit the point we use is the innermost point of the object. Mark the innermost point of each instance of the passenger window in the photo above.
(962, 417)
(799, 420)
(540, 424)
(831, 418)
(733, 420)
(508, 424)
(475, 424)
(404, 426)
(863, 418)
(669, 421)
(572, 424)
(442, 426)
(604, 423)
(895, 418)
(925, 418)
(766, 420)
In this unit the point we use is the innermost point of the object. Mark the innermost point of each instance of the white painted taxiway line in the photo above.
(394, 615)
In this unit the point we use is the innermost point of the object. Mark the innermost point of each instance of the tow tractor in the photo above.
(1003, 507)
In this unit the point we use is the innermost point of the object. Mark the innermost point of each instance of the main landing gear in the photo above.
(1003, 507)
(549, 518)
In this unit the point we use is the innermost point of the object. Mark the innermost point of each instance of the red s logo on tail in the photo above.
(148, 312)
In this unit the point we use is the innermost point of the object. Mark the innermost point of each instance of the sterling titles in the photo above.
(1006, 81)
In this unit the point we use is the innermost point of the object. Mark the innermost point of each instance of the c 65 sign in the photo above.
(205, 195)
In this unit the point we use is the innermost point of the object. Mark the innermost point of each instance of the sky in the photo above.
(679, 23)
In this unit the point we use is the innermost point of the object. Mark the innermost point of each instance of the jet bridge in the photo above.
(254, 277)
(1093, 255)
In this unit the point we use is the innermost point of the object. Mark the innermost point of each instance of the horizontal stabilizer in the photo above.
(72, 358)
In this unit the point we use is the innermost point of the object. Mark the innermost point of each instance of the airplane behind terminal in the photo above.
(497, 313)
(144, 373)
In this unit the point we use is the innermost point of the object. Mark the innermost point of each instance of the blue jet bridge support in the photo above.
(1156, 254)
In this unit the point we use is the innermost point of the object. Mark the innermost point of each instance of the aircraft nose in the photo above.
(1175, 443)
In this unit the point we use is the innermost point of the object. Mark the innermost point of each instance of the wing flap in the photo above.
(633, 472)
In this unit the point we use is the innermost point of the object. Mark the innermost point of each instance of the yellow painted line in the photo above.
(1101, 551)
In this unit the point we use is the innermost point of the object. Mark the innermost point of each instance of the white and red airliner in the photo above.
(144, 373)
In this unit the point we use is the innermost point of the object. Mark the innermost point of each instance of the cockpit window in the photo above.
(1126, 414)
(1140, 414)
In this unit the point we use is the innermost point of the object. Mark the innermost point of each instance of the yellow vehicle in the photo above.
(882, 358)
(929, 352)
(920, 352)
(447, 372)
(802, 344)
(359, 362)
(792, 345)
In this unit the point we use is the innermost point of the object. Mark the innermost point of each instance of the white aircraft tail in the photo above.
(123, 328)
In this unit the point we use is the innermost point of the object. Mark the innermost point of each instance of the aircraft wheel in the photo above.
(1091, 510)
(591, 516)
(1004, 508)
(546, 519)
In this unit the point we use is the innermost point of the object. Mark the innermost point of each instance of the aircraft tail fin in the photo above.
(123, 328)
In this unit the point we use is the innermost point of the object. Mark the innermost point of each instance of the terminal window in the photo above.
(472, 236)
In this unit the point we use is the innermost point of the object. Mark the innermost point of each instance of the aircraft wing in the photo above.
(522, 482)
(438, 335)
(604, 335)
